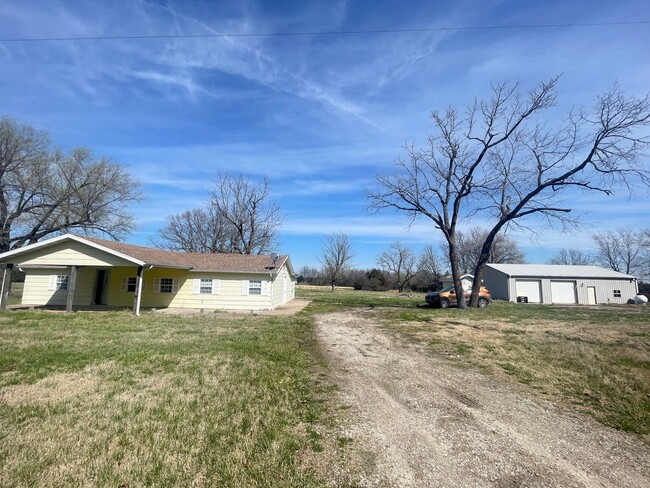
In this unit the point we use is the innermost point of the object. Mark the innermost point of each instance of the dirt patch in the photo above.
(417, 419)
(53, 388)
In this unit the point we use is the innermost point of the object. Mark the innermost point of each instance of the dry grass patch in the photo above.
(599, 364)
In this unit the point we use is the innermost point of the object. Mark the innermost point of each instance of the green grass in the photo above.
(107, 399)
(16, 293)
(593, 359)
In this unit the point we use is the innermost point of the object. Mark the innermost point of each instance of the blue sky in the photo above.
(320, 115)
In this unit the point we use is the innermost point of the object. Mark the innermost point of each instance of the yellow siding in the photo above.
(35, 291)
(229, 298)
(70, 253)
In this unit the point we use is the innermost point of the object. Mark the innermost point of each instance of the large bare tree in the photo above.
(336, 256)
(45, 192)
(597, 151)
(400, 261)
(438, 180)
(502, 162)
(623, 250)
(571, 256)
(239, 218)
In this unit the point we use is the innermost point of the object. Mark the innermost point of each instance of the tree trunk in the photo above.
(483, 258)
(455, 274)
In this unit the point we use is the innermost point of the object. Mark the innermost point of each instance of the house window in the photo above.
(617, 293)
(255, 287)
(206, 287)
(61, 282)
(166, 285)
(130, 285)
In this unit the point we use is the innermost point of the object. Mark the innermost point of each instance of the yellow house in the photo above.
(84, 271)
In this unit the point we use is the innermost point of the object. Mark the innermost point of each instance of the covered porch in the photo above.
(71, 288)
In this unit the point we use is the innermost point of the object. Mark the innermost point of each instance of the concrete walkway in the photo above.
(291, 308)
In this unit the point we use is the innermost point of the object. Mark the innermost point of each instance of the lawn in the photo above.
(592, 359)
(107, 399)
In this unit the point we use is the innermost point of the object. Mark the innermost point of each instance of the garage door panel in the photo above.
(530, 289)
(563, 291)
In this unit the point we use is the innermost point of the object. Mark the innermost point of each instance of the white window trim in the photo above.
(265, 289)
(196, 286)
(156, 284)
(53, 284)
(124, 284)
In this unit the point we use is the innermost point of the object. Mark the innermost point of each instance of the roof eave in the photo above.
(64, 237)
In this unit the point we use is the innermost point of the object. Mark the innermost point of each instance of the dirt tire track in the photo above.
(424, 421)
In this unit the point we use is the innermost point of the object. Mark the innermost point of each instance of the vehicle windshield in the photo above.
(444, 290)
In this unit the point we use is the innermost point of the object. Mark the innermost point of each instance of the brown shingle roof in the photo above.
(227, 263)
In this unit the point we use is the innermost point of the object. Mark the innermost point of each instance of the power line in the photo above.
(321, 33)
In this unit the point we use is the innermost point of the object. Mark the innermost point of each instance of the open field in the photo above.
(594, 359)
(106, 399)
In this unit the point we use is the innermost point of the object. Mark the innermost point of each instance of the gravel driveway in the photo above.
(417, 419)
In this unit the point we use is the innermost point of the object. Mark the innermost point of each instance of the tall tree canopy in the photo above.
(45, 191)
(500, 161)
(239, 218)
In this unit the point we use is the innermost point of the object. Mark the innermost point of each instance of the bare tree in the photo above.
(438, 181)
(197, 230)
(430, 269)
(337, 256)
(595, 152)
(622, 250)
(309, 275)
(46, 192)
(402, 262)
(505, 165)
(571, 257)
(254, 218)
(504, 250)
(239, 218)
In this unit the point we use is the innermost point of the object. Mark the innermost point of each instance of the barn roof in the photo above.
(559, 271)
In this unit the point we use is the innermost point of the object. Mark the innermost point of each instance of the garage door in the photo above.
(563, 291)
(530, 289)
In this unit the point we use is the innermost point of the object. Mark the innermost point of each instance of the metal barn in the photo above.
(563, 284)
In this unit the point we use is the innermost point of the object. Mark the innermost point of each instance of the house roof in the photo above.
(559, 271)
(221, 262)
(463, 276)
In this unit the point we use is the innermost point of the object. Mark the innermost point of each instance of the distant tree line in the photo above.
(626, 250)
(399, 267)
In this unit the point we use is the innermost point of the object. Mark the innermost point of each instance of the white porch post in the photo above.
(6, 286)
(138, 293)
(72, 283)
